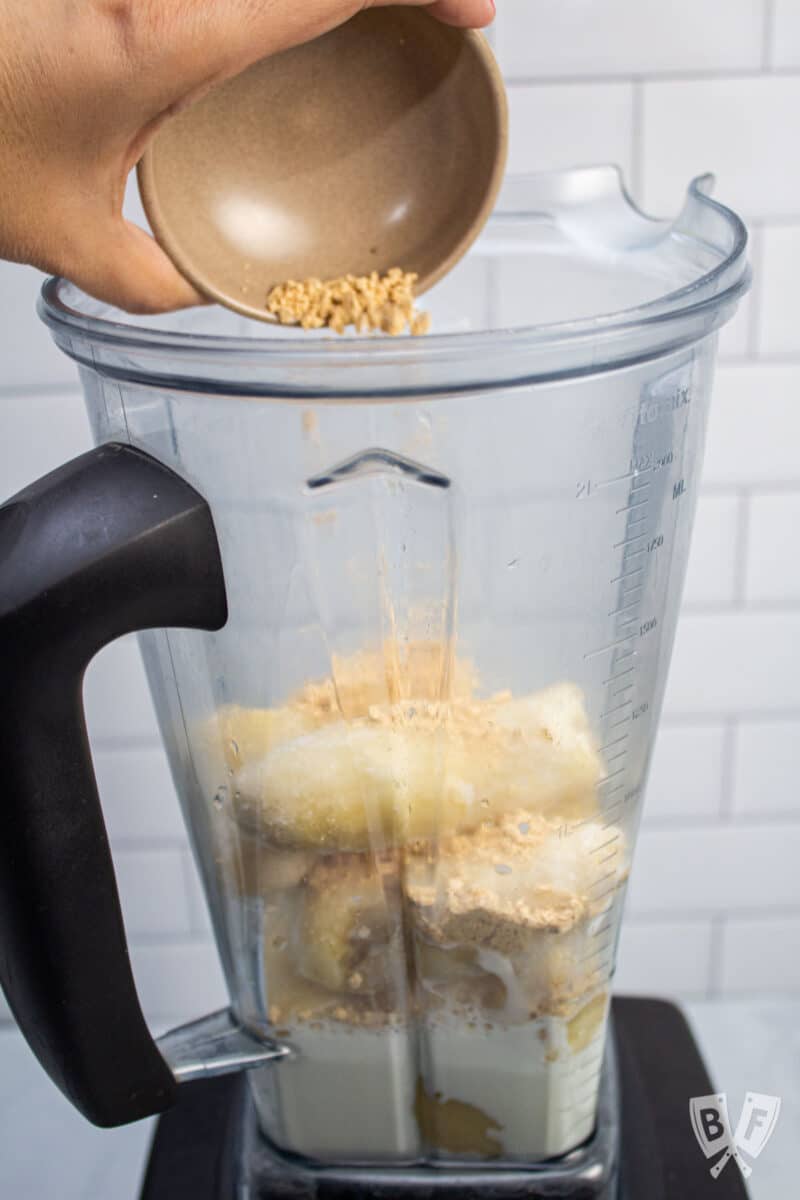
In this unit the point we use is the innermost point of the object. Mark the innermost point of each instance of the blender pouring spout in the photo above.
(217, 1045)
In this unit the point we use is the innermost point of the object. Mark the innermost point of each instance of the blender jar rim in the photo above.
(508, 356)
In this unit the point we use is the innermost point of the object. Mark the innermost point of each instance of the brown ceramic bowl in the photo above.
(382, 144)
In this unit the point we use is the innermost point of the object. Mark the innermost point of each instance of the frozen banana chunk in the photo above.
(348, 928)
(348, 788)
(417, 771)
(290, 997)
(247, 734)
(235, 736)
(260, 870)
(558, 714)
(556, 973)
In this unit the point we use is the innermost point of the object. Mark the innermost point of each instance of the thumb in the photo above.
(122, 265)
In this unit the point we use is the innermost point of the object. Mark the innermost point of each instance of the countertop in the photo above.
(47, 1150)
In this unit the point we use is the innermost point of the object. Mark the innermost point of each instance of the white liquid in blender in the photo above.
(437, 883)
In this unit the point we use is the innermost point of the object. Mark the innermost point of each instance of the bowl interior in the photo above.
(380, 144)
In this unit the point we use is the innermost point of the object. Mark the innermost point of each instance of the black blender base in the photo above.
(197, 1144)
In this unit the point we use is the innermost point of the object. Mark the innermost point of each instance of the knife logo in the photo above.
(712, 1128)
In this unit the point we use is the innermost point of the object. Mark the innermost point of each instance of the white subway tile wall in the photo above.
(712, 577)
(764, 768)
(615, 37)
(778, 325)
(773, 567)
(783, 50)
(735, 126)
(667, 91)
(760, 955)
(687, 773)
(665, 958)
(550, 130)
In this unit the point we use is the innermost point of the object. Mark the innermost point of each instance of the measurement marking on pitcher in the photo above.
(629, 541)
(583, 1072)
(616, 742)
(626, 607)
(615, 757)
(583, 1080)
(603, 879)
(618, 678)
(610, 646)
(619, 675)
(628, 574)
(594, 953)
(633, 505)
(599, 949)
(590, 1066)
(604, 483)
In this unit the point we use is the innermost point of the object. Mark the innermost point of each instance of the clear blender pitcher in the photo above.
(409, 607)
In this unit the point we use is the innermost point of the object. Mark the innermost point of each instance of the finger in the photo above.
(236, 35)
(122, 265)
(470, 14)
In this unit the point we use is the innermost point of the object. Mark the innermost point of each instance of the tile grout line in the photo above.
(41, 391)
(155, 941)
(768, 33)
(621, 76)
(727, 773)
(762, 488)
(763, 223)
(757, 255)
(132, 845)
(125, 743)
(637, 141)
(667, 915)
(777, 608)
(742, 551)
(746, 821)
(716, 956)
(711, 716)
(197, 927)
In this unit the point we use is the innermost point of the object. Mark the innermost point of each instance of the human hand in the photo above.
(84, 86)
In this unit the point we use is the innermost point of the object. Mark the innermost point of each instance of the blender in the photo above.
(406, 608)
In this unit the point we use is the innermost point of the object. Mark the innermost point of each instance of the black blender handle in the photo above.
(111, 543)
